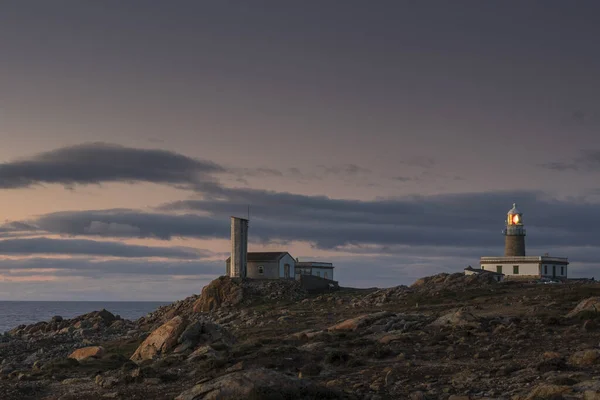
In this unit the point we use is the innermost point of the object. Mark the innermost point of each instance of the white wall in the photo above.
(507, 269)
(287, 259)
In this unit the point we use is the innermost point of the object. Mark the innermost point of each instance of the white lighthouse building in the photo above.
(515, 264)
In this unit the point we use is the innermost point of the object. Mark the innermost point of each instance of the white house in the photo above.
(527, 266)
(268, 265)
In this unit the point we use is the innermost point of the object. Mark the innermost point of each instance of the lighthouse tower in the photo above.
(514, 233)
(514, 264)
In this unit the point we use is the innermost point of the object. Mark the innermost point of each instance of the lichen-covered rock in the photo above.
(87, 352)
(161, 340)
(591, 304)
(222, 290)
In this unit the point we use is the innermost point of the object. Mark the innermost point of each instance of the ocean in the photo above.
(15, 313)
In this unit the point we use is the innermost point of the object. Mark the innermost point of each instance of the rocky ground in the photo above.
(445, 337)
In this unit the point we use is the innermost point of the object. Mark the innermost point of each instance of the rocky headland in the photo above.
(448, 336)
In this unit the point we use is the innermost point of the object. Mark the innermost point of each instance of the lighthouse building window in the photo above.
(261, 269)
(515, 269)
(545, 269)
(562, 270)
(499, 269)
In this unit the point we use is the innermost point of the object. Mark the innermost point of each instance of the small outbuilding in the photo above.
(499, 277)
(314, 268)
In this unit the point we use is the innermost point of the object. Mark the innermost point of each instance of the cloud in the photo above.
(256, 172)
(94, 163)
(124, 223)
(111, 228)
(342, 171)
(587, 161)
(462, 220)
(402, 178)
(419, 161)
(94, 248)
(346, 170)
(99, 269)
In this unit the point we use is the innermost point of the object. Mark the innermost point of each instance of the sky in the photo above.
(387, 137)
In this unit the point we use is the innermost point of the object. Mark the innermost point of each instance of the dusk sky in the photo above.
(387, 137)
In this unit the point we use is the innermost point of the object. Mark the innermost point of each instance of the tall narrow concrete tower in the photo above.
(239, 247)
(514, 233)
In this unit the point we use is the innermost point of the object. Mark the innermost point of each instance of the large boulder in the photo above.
(222, 290)
(242, 384)
(203, 332)
(87, 352)
(229, 292)
(161, 340)
(591, 304)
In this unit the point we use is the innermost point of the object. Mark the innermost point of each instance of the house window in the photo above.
(319, 274)
(483, 267)
(261, 269)
(499, 269)
(326, 277)
(515, 269)
(562, 270)
(545, 270)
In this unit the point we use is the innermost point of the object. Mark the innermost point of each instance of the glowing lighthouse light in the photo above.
(515, 219)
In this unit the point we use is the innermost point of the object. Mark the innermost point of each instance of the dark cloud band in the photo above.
(94, 248)
(94, 163)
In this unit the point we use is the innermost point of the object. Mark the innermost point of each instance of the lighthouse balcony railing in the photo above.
(514, 230)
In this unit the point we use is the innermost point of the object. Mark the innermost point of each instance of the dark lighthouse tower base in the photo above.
(514, 242)
(514, 246)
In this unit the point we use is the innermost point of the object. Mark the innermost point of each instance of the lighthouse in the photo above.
(515, 264)
(514, 234)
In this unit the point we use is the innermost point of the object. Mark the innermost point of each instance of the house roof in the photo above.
(265, 256)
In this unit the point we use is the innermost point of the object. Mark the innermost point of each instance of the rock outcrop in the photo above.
(160, 341)
(231, 292)
(591, 305)
(221, 291)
